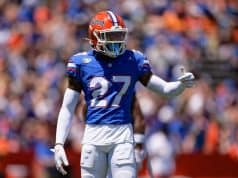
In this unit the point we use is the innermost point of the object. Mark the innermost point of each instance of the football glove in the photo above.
(60, 158)
(187, 78)
(140, 156)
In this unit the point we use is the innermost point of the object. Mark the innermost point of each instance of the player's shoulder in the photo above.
(138, 55)
(81, 57)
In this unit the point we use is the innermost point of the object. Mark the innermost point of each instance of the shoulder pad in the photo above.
(138, 54)
(80, 58)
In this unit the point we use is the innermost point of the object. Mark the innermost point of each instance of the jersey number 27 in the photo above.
(100, 86)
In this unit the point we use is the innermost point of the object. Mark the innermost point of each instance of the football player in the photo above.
(107, 75)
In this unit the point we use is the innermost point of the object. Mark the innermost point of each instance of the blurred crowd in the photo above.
(37, 38)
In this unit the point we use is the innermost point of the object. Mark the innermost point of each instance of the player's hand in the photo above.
(140, 156)
(60, 158)
(139, 149)
(187, 78)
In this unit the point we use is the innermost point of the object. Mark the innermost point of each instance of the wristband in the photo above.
(59, 144)
(139, 138)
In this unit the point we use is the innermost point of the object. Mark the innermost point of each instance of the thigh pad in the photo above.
(123, 154)
(88, 156)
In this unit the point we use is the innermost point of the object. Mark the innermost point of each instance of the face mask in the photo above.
(114, 48)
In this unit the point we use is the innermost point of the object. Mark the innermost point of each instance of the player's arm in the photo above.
(157, 84)
(167, 89)
(65, 117)
(139, 129)
(138, 122)
(67, 109)
(83, 110)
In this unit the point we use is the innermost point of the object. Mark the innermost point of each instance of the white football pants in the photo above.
(118, 160)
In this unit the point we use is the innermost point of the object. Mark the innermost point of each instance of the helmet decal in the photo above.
(97, 22)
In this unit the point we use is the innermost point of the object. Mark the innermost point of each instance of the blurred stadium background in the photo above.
(194, 135)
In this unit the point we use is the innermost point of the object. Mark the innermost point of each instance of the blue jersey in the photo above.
(108, 85)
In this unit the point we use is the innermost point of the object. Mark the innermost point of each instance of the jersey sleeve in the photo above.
(72, 69)
(143, 64)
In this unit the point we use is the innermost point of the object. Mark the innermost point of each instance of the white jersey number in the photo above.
(100, 86)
